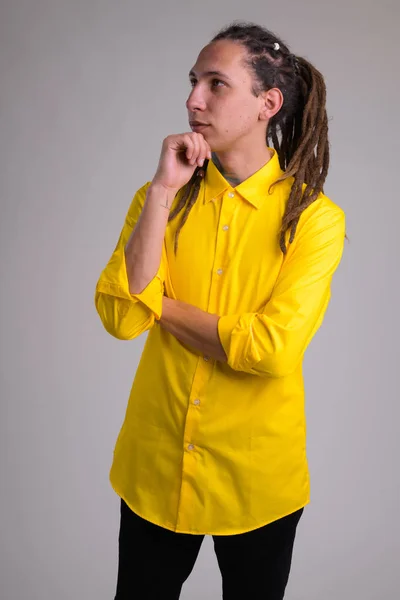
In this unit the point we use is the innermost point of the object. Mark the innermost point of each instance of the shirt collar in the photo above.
(254, 189)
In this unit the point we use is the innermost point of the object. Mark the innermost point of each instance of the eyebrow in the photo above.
(210, 73)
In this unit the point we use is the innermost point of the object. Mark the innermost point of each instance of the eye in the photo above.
(214, 81)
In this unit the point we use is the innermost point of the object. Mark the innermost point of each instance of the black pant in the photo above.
(155, 562)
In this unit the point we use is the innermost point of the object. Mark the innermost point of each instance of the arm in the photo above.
(193, 327)
(144, 247)
(130, 290)
(272, 342)
(125, 314)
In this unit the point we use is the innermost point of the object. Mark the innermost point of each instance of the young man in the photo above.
(226, 257)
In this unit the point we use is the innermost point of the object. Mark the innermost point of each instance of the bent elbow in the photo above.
(118, 332)
(122, 319)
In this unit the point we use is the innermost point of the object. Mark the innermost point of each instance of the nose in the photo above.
(196, 100)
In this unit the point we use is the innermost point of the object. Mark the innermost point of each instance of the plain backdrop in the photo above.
(88, 91)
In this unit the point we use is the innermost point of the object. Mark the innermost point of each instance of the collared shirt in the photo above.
(220, 448)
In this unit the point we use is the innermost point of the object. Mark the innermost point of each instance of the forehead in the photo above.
(224, 55)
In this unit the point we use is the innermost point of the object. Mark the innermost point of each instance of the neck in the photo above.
(237, 166)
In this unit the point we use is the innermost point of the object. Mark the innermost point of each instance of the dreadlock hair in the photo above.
(298, 132)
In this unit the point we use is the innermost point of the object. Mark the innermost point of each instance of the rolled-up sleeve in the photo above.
(125, 315)
(272, 342)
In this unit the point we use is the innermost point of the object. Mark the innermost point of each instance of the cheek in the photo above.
(237, 121)
(233, 118)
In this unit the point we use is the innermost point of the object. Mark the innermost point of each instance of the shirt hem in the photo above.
(170, 527)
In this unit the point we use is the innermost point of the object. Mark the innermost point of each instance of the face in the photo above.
(221, 97)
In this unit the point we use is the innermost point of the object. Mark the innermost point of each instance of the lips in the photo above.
(197, 127)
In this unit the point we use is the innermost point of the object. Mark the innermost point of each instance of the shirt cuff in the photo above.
(114, 281)
(235, 336)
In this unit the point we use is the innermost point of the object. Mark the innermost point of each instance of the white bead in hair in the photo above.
(276, 46)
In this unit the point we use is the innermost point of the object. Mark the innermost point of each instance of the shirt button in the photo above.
(225, 227)
(190, 447)
(220, 271)
(196, 402)
(231, 195)
(206, 358)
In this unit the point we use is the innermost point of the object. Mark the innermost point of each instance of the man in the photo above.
(232, 291)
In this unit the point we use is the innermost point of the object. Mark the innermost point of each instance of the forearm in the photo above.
(144, 247)
(193, 327)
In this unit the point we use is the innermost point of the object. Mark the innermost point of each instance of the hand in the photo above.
(180, 155)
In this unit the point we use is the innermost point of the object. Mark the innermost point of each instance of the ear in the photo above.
(271, 103)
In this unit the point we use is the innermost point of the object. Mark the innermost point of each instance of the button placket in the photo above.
(227, 210)
(201, 377)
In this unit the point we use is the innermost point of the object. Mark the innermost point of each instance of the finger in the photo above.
(190, 148)
(202, 153)
(197, 148)
(205, 150)
(206, 146)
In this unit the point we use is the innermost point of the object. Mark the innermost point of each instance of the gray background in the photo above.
(88, 91)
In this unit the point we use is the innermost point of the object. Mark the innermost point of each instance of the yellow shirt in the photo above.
(220, 448)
